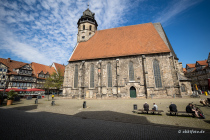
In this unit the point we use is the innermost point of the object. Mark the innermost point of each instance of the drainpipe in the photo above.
(144, 75)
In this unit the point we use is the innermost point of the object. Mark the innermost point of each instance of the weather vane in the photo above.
(88, 5)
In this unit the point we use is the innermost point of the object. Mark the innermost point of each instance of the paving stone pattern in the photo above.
(18, 124)
(102, 119)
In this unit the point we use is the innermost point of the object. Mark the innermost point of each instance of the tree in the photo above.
(48, 84)
(55, 81)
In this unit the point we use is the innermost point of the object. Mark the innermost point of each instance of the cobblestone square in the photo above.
(111, 118)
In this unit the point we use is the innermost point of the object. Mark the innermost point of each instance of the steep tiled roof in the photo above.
(60, 67)
(37, 68)
(203, 63)
(11, 64)
(121, 41)
(191, 65)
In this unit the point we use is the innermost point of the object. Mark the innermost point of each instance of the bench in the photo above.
(149, 111)
(180, 112)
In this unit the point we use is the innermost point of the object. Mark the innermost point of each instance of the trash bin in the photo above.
(36, 101)
(53, 103)
(135, 107)
(84, 104)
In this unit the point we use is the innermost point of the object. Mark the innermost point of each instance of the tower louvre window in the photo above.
(109, 73)
(90, 27)
(91, 76)
(131, 71)
(83, 27)
(157, 76)
(76, 76)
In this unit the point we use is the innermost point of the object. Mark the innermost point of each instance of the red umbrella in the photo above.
(14, 89)
(34, 89)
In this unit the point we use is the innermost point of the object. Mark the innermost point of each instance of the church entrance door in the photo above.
(132, 92)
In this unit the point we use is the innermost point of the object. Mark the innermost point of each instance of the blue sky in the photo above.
(45, 31)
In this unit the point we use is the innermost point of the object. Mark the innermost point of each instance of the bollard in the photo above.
(135, 107)
(36, 101)
(53, 103)
(84, 104)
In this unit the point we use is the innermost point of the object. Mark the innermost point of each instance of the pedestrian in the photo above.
(146, 107)
(189, 109)
(52, 96)
(155, 107)
(173, 107)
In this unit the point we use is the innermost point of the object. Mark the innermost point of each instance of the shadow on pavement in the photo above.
(112, 116)
(45, 125)
(25, 108)
(207, 121)
(125, 118)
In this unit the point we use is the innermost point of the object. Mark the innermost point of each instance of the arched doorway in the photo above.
(133, 92)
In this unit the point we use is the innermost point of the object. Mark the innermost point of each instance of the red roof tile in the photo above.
(11, 64)
(60, 67)
(122, 41)
(191, 65)
(203, 63)
(184, 70)
(37, 68)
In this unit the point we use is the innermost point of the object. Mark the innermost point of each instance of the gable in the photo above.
(121, 41)
(197, 64)
(27, 66)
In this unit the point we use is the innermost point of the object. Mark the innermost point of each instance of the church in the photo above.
(134, 61)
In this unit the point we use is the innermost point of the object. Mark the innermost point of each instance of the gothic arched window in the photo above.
(92, 76)
(183, 89)
(109, 74)
(157, 76)
(90, 27)
(83, 27)
(76, 76)
(131, 71)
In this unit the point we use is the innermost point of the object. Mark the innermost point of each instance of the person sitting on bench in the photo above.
(190, 110)
(155, 107)
(173, 107)
(146, 107)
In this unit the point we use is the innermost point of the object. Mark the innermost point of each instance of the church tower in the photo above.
(87, 26)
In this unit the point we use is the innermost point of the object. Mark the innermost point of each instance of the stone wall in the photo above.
(120, 77)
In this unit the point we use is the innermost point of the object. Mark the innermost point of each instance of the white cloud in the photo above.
(46, 31)
(174, 8)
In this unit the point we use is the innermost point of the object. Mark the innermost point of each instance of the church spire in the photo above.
(87, 25)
